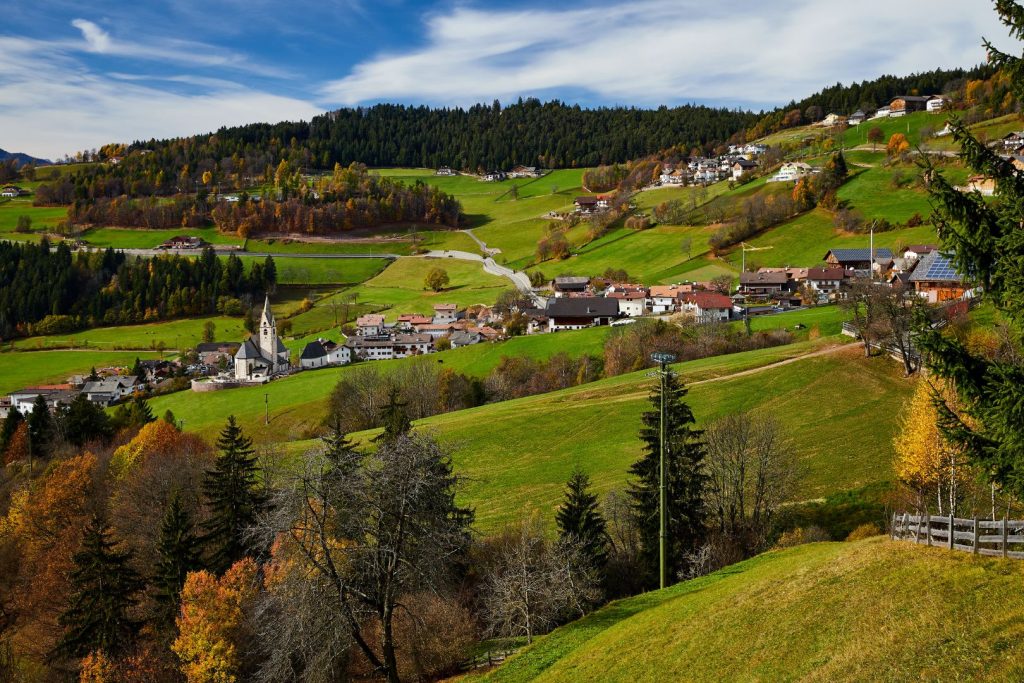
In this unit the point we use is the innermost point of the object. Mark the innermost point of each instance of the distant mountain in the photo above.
(22, 158)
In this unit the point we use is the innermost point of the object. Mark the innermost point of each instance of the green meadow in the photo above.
(870, 610)
(172, 334)
(19, 369)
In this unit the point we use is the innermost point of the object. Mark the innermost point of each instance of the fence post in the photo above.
(951, 532)
(928, 528)
(1004, 537)
(917, 534)
(975, 549)
(904, 524)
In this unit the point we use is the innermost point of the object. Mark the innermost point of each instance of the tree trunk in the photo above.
(387, 646)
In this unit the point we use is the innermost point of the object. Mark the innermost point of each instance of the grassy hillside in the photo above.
(873, 610)
(399, 287)
(18, 369)
(173, 334)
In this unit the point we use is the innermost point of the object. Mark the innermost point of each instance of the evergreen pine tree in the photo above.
(84, 421)
(137, 370)
(685, 481)
(339, 449)
(233, 494)
(139, 412)
(579, 518)
(178, 550)
(986, 241)
(40, 427)
(93, 376)
(104, 591)
(394, 417)
(11, 422)
(169, 418)
(269, 274)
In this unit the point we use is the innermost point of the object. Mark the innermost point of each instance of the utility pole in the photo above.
(663, 359)
(266, 404)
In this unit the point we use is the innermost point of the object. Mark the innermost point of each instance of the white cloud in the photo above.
(50, 104)
(666, 51)
(96, 38)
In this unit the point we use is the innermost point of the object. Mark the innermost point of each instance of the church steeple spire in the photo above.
(268, 331)
(268, 316)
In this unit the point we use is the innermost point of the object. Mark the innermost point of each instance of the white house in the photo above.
(322, 352)
(825, 280)
(55, 395)
(665, 298)
(370, 325)
(791, 172)
(445, 313)
(263, 355)
(935, 104)
(742, 167)
(631, 304)
(111, 389)
(881, 112)
(707, 306)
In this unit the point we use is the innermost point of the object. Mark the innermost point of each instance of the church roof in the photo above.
(314, 349)
(248, 350)
(268, 315)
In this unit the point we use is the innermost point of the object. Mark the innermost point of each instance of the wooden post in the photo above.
(928, 527)
(904, 524)
(975, 550)
(951, 532)
(1004, 537)
(917, 532)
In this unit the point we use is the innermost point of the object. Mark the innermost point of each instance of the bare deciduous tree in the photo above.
(751, 471)
(368, 530)
(535, 585)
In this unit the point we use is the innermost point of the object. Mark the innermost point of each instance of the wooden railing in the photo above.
(991, 537)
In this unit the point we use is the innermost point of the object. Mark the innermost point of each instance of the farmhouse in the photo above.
(55, 395)
(707, 306)
(576, 313)
(12, 191)
(631, 303)
(791, 172)
(370, 325)
(763, 283)
(935, 279)
(856, 117)
(322, 352)
(986, 185)
(461, 338)
(212, 353)
(916, 251)
(935, 103)
(445, 171)
(833, 120)
(905, 104)
(826, 280)
(523, 172)
(399, 346)
(182, 242)
(855, 259)
(567, 285)
(665, 298)
(110, 390)
(264, 355)
(445, 314)
(742, 167)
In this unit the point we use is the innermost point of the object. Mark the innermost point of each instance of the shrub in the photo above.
(864, 531)
(802, 535)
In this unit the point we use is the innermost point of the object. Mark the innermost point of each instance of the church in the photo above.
(262, 355)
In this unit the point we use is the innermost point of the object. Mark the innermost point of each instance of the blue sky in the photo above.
(74, 75)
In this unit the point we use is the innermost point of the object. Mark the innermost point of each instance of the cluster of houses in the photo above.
(493, 176)
(107, 388)
(792, 171)
(899, 106)
(1011, 148)
(736, 164)
(921, 267)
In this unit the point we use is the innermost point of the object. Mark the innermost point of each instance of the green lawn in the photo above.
(803, 241)
(173, 334)
(872, 610)
(19, 369)
(43, 217)
(398, 242)
(138, 238)
(399, 287)
(294, 270)
(872, 192)
(828, 320)
(910, 125)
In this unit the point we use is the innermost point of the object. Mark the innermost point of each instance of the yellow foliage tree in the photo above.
(155, 437)
(897, 145)
(925, 461)
(207, 177)
(212, 625)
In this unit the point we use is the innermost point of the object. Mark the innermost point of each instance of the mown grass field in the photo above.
(173, 334)
(19, 369)
(400, 289)
(295, 270)
(298, 403)
(138, 238)
(871, 610)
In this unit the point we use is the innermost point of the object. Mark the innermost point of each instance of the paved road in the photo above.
(519, 279)
(483, 247)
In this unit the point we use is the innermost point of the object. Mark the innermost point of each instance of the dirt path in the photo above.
(785, 361)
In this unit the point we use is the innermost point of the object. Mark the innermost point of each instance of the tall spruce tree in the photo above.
(179, 551)
(685, 481)
(40, 427)
(11, 422)
(394, 417)
(104, 590)
(579, 519)
(235, 498)
(986, 241)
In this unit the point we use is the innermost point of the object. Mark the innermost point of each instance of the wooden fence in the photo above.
(991, 537)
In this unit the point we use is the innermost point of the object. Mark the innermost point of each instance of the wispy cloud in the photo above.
(52, 104)
(655, 51)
